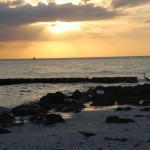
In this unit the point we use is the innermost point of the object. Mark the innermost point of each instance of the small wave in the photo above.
(25, 91)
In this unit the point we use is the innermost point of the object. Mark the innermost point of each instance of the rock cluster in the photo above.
(129, 95)
(39, 112)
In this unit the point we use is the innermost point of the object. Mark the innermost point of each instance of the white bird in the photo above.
(147, 79)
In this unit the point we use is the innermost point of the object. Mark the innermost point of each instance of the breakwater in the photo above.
(108, 80)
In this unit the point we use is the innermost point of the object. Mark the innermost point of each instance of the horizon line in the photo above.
(42, 58)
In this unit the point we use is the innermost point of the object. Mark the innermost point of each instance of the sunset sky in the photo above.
(74, 28)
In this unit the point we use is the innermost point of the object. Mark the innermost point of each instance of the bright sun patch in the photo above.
(58, 27)
(61, 27)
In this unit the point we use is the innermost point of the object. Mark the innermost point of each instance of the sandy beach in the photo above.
(70, 135)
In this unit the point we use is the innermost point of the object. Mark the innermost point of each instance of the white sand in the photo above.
(66, 136)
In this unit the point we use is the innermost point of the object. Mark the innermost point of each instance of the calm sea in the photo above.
(13, 95)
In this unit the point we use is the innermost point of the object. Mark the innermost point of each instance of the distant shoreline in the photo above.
(105, 57)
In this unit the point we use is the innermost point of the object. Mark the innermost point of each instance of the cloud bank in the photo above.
(27, 13)
(17, 17)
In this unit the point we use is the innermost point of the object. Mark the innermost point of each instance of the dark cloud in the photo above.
(52, 12)
(21, 33)
(126, 3)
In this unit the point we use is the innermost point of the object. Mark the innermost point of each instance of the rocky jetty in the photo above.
(70, 80)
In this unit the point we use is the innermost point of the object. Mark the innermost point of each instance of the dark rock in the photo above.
(123, 109)
(6, 120)
(145, 109)
(99, 88)
(141, 90)
(52, 119)
(116, 139)
(4, 131)
(139, 116)
(45, 105)
(116, 91)
(91, 91)
(59, 107)
(100, 100)
(36, 119)
(138, 104)
(26, 110)
(71, 109)
(116, 119)
(57, 97)
(146, 103)
(51, 99)
(57, 149)
(74, 106)
(87, 134)
(76, 95)
(128, 101)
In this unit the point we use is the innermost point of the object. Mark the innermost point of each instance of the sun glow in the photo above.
(61, 27)
(58, 27)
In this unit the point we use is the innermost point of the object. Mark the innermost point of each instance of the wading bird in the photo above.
(147, 79)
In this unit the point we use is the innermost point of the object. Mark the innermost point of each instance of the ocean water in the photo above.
(12, 95)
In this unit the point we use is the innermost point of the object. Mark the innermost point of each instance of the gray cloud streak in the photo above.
(21, 33)
(128, 3)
